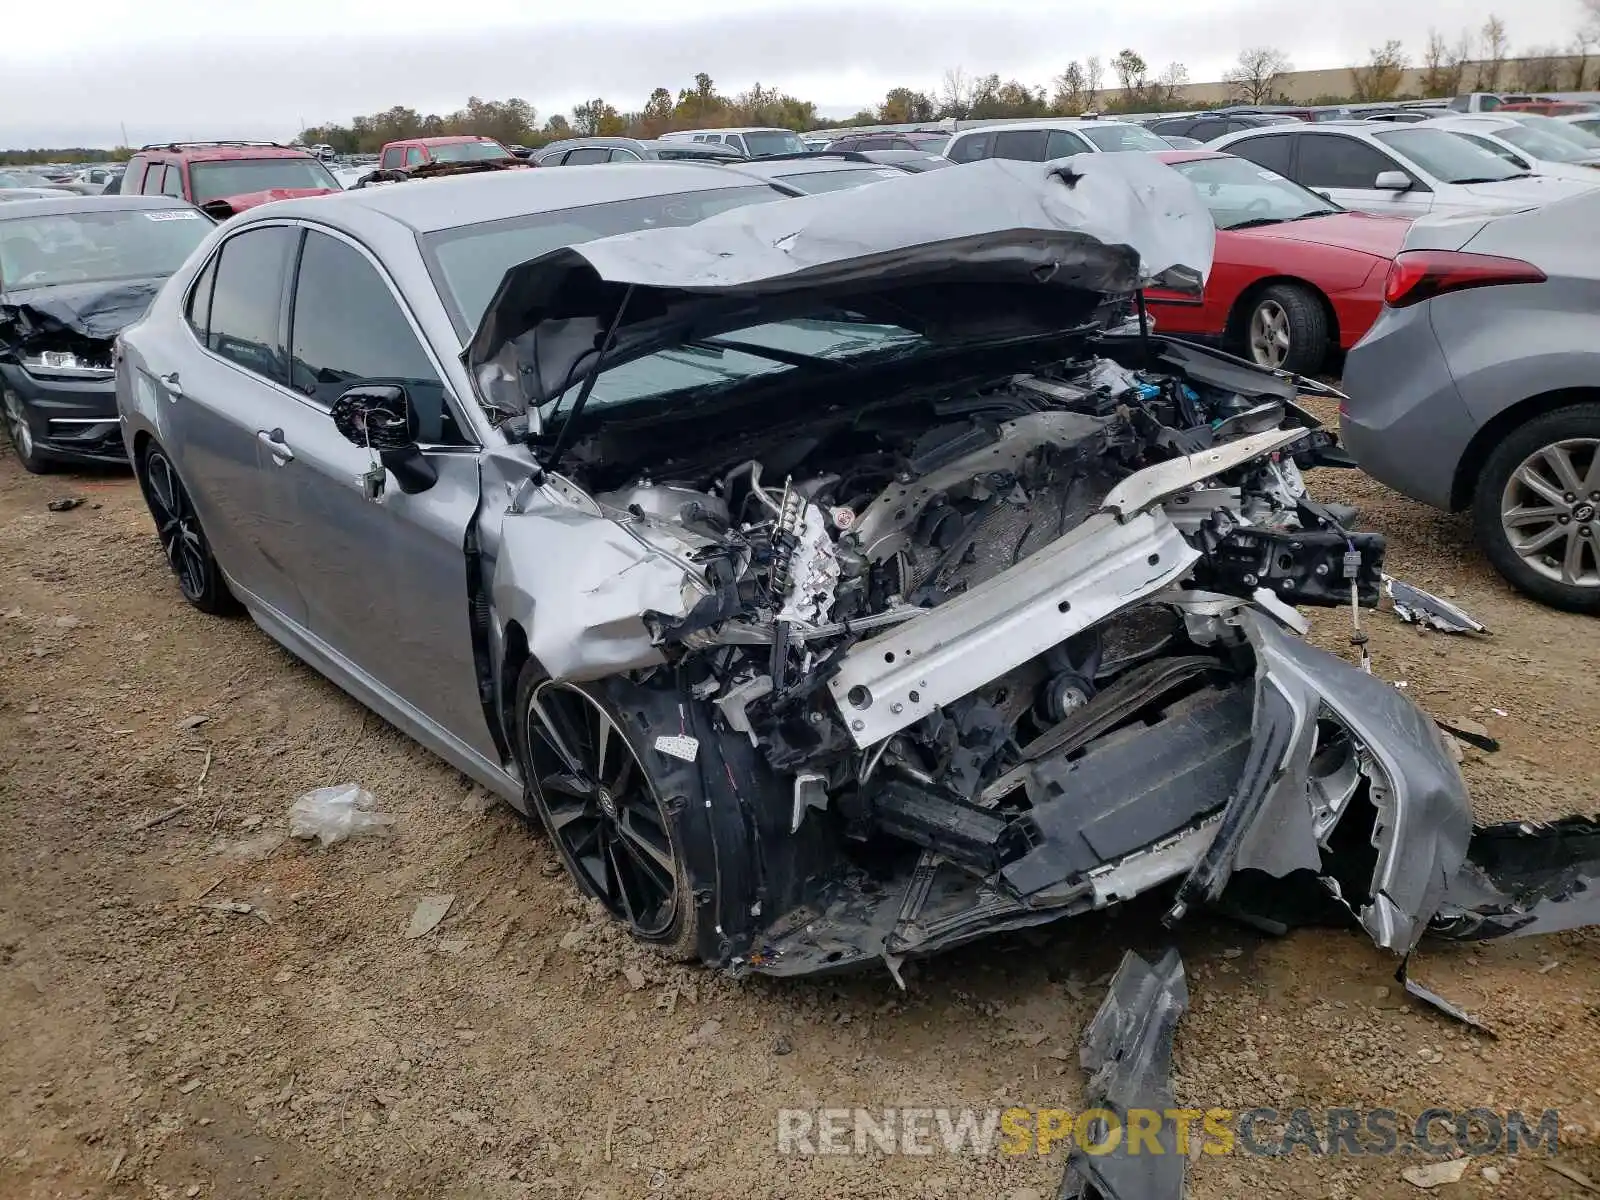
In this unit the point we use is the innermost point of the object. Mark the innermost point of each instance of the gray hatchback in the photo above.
(1479, 387)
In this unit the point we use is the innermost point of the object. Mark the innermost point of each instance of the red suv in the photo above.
(415, 152)
(226, 177)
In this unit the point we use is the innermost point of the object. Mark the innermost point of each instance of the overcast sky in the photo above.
(78, 73)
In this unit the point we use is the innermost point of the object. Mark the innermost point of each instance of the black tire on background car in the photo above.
(182, 539)
(1286, 327)
(690, 850)
(1536, 510)
(20, 435)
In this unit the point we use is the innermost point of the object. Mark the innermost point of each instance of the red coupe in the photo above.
(1294, 275)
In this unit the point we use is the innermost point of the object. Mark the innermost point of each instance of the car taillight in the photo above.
(1418, 275)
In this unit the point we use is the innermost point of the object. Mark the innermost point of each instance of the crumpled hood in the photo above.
(1040, 239)
(246, 200)
(92, 310)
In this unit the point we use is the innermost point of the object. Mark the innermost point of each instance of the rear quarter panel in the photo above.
(1505, 344)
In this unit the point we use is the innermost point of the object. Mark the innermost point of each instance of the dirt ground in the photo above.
(156, 1043)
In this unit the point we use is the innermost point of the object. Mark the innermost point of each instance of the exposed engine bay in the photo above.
(819, 560)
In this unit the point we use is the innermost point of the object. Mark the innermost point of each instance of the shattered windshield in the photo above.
(468, 152)
(240, 177)
(1241, 194)
(735, 357)
(98, 247)
(467, 263)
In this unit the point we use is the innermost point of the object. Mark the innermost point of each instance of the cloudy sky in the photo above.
(261, 68)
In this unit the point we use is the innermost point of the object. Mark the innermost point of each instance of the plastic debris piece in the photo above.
(429, 912)
(1417, 607)
(686, 748)
(1431, 1175)
(332, 814)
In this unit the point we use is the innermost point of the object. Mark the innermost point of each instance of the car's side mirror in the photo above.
(380, 416)
(1392, 181)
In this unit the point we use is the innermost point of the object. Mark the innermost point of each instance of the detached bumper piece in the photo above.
(1127, 1053)
(1523, 878)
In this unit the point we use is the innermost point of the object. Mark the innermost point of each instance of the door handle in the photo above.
(272, 439)
(170, 382)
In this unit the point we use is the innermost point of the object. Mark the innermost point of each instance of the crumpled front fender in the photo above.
(581, 584)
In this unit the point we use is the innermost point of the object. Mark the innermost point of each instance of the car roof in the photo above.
(428, 205)
(1045, 123)
(683, 133)
(209, 151)
(69, 205)
(811, 164)
(445, 139)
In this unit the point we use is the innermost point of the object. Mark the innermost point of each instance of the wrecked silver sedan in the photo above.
(837, 579)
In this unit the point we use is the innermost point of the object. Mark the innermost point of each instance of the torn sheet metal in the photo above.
(1417, 607)
(91, 310)
(1523, 877)
(1127, 1053)
(1093, 225)
(1437, 1002)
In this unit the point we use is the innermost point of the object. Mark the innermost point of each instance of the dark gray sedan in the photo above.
(1477, 389)
(74, 271)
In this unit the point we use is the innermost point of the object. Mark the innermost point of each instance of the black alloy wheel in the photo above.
(603, 812)
(182, 540)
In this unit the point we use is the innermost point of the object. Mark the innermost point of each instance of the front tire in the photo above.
(1536, 510)
(20, 434)
(182, 539)
(1286, 329)
(715, 809)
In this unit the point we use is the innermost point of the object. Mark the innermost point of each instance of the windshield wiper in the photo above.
(1255, 222)
(1495, 178)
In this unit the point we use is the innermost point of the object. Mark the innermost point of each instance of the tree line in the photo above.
(1475, 60)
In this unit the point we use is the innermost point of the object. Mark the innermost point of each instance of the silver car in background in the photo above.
(1396, 170)
(1479, 388)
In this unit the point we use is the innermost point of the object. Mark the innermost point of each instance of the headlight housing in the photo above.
(65, 364)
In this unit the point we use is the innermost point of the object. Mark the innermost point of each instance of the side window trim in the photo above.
(464, 419)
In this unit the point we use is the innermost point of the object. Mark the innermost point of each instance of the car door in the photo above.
(230, 384)
(384, 579)
(1345, 168)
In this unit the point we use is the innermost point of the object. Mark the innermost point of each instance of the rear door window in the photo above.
(415, 156)
(587, 154)
(1329, 160)
(1272, 151)
(1210, 128)
(246, 324)
(172, 185)
(392, 157)
(1027, 145)
(152, 180)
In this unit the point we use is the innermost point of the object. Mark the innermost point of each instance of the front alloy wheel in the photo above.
(1537, 508)
(601, 807)
(21, 434)
(1286, 329)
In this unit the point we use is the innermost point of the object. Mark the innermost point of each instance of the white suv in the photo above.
(1396, 170)
(1044, 139)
